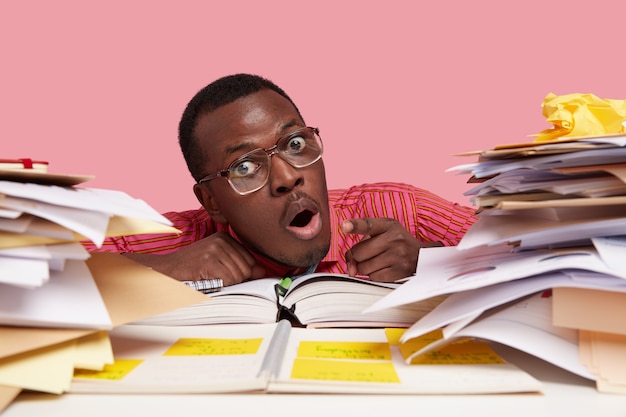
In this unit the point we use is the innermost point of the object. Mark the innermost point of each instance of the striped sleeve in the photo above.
(441, 220)
(192, 224)
(427, 216)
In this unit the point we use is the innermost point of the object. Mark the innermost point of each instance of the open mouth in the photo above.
(306, 221)
(302, 219)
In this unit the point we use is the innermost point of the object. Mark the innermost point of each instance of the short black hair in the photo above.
(219, 93)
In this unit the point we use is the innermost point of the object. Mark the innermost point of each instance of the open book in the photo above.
(276, 357)
(313, 300)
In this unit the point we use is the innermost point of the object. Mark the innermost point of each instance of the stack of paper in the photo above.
(560, 193)
(563, 203)
(550, 220)
(44, 276)
(58, 302)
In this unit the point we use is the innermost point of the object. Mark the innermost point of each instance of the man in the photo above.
(267, 211)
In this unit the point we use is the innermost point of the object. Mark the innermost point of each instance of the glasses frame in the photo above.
(269, 152)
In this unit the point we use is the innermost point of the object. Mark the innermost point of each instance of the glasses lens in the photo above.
(249, 172)
(301, 148)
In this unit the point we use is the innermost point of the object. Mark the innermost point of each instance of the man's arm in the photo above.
(200, 251)
(216, 256)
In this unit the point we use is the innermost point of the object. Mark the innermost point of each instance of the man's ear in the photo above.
(207, 200)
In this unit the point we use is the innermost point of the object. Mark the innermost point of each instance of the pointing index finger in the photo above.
(366, 226)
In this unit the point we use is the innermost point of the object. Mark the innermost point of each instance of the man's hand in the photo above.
(388, 251)
(216, 256)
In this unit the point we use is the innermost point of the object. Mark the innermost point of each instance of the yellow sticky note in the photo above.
(458, 353)
(413, 345)
(344, 350)
(394, 334)
(338, 370)
(115, 372)
(209, 346)
(467, 352)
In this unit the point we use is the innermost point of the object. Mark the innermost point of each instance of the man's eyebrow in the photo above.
(289, 124)
(248, 145)
(238, 147)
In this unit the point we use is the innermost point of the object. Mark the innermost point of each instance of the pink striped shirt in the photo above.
(427, 216)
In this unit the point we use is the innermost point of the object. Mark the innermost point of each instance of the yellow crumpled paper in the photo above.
(577, 114)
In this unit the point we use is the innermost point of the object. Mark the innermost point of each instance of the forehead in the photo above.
(251, 119)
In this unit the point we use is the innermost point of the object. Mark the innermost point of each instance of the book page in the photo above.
(317, 284)
(336, 300)
(248, 302)
(370, 361)
(182, 359)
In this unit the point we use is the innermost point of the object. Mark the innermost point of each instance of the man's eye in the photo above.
(296, 144)
(245, 169)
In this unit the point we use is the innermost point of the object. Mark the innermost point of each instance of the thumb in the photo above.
(353, 269)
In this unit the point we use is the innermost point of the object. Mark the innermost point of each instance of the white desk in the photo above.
(564, 395)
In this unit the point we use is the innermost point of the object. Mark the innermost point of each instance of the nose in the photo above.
(283, 177)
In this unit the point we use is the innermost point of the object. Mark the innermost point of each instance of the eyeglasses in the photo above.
(250, 172)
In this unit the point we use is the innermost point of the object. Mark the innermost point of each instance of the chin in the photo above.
(313, 257)
(311, 254)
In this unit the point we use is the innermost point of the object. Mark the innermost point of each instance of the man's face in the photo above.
(288, 219)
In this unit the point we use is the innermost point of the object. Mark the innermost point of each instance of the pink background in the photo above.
(396, 87)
